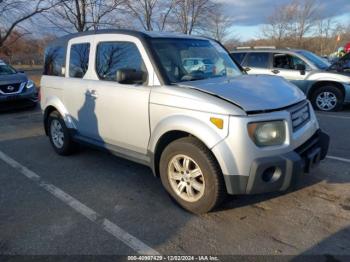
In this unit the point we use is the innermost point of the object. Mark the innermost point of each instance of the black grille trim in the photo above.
(4, 88)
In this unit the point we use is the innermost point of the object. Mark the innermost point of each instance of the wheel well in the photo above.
(47, 112)
(325, 83)
(165, 140)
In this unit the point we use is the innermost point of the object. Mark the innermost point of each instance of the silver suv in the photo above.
(327, 89)
(204, 134)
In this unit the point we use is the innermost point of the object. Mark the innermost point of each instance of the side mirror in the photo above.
(130, 76)
(301, 68)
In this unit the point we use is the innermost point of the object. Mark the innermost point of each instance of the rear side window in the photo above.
(238, 57)
(113, 56)
(54, 64)
(79, 60)
(259, 60)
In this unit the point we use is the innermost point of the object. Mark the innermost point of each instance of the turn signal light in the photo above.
(218, 122)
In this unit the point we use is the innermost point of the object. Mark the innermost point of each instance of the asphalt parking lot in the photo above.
(93, 203)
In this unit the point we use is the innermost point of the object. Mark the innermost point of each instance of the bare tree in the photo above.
(278, 24)
(305, 16)
(219, 24)
(143, 10)
(83, 15)
(151, 14)
(326, 31)
(292, 22)
(15, 12)
(190, 14)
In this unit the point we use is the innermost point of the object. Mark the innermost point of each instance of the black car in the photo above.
(342, 65)
(16, 90)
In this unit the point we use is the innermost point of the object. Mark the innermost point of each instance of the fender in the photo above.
(209, 135)
(325, 77)
(53, 101)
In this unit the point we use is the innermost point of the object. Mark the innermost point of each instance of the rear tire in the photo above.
(327, 98)
(59, 135)
(191, 175)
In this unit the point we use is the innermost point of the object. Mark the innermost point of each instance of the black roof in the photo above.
(143, 35)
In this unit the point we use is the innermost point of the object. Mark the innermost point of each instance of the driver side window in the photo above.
(286, 61)
(114, 56)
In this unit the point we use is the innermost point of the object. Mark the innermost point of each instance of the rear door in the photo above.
(257, 63)
(77, 97)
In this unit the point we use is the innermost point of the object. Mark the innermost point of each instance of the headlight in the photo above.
(29, 84)
(267, 133)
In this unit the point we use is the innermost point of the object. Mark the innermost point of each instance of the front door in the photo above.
(286, 66)
(122, 109)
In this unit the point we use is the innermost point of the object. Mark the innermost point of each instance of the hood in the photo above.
(12, 79)
(251, 92)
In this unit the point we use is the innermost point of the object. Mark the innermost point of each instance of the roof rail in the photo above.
(242, 47)
(264, 47)
(253, 47)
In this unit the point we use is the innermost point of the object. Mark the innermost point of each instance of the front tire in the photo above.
(191, 175)
(59, 135)
(327, 98)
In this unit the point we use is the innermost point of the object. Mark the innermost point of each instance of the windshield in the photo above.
(317, 61)
(193, 59)
(6, 69)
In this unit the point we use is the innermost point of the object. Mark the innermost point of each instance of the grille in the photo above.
(300, 116)
(12, 88)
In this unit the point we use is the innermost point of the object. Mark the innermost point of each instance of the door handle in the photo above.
(275, 71)
(247, 69)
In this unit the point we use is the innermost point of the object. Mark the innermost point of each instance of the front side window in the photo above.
(193, 59)
(286, 61)
(114, 56)
(54, 61)
(79, 60)
(258, 60)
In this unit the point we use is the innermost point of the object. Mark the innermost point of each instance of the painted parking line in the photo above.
(131, 241)
(339, 159)
(333, 116)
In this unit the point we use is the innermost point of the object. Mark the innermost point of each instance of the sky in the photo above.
(248, 16)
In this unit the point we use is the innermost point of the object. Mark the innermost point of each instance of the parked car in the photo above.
(205, 136)
(327, 89)
(342, 65)
(15, 88)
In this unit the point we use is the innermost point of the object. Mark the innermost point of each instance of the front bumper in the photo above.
(25, 99)
(278, 173)
(27, 94)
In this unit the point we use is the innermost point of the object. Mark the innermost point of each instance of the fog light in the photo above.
(271, 174)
